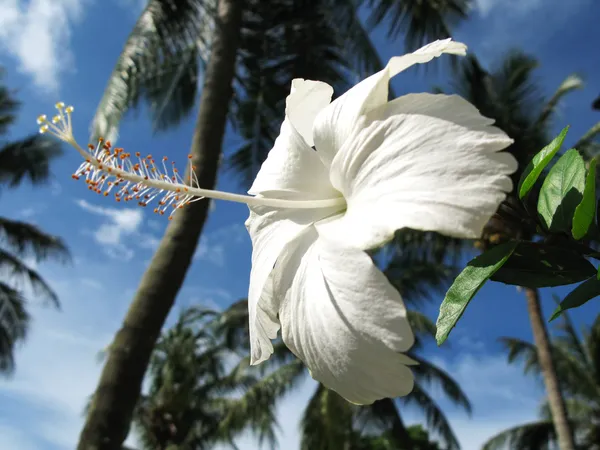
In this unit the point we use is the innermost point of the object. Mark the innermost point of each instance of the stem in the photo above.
(208, 193)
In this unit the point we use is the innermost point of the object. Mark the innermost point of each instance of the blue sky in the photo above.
(65, 50)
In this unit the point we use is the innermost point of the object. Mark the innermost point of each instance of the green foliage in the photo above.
(539, 162)
(566, 211)
(536, 265)
(579, 296)
(586, 210)
(562, 192)
(466, 285)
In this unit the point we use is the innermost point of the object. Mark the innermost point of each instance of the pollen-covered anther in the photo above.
(59, 125)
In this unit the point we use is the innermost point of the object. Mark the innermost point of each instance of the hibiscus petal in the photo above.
(271, 230)
(344, 320)
(305, 101)
(291, 171)
(292, 166)
(335, 123)
(441, 172)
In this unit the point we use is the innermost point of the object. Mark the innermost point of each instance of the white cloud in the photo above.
(27, 213)
(57, 368)
(12, 438)
(210, 251)
(37, 33)
(111, 235)
(213, 246)
(519, 7)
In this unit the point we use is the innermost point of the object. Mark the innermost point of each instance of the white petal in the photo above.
(344, 320)
(336, 122)
(292, 171)
(292, 166)
(271, 230)
(305, 101)
(439, 172)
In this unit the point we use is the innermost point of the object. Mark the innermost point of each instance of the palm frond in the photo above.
(421, 324)
(383, 415)
(418, 21)
(531, 436)
(21, 276)
(571, 339)
(357, 44)
(256, 407)
(232, 326)
(14, 322)
(429, 374)
(519, 350)
(435, 417)
(586, 143)
(280, 42)
(577, 409)
(326, 422)
(592, 343)
(575, 377)
(8, 106)
(571, 83)
(26, 240)
(159, 63)
(28, 158)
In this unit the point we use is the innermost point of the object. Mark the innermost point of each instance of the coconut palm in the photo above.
(22, 243)
(256, 48)
(577, 362)
(510, 95)
(190, 392)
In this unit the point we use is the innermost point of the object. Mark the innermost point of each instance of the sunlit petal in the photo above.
(337, 121)
(292, 166)
(307, 98)
(271, 230)
(344, 320)
(440, 172)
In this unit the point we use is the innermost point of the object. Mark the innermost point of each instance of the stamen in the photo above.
(137, 178)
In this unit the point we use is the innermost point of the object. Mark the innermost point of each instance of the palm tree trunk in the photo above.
(111, 411)
(555, 398)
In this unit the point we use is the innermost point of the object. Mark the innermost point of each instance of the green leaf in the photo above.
(466, 285)
(562, 192)
(539, 163)
(578, 296)
(535, 265)
(585, 211)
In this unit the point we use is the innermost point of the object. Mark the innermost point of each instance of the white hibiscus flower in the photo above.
(422, 161)
(341, 178)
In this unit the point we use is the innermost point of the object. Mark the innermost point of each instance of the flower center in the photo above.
(108, 168)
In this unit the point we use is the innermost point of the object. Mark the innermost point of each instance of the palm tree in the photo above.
(256, 48)
(190, 392)
(419, 437)
(329, 422)
(510, 95)
(22, 243)
(577, 363)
